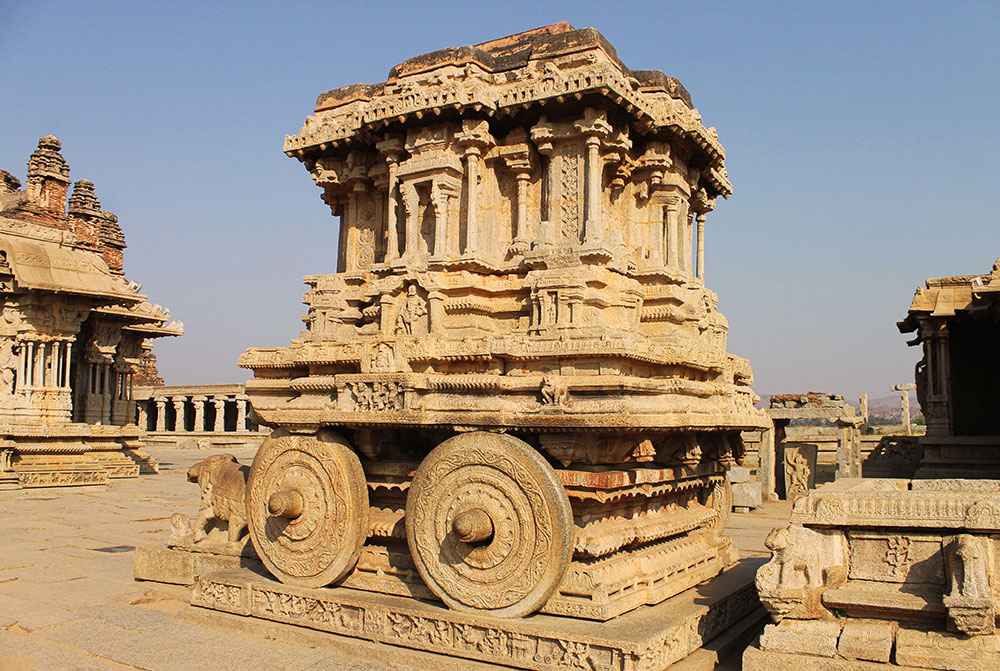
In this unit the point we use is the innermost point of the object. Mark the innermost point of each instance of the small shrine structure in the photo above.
(72, 332)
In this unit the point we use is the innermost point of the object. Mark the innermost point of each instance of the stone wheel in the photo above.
(307, 507)
(720, 499)
(489, 525)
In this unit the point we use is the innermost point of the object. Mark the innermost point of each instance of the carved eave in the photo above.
(554, 64)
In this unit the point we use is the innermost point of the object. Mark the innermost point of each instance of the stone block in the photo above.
(738, 474)
(747, 494)
(161, 564)
(769, 660)
(866, 639)
(808, 637)
(188, 444)
(947, 652)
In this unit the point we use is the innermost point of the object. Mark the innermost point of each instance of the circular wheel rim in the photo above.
(318, 487)
(516, 497)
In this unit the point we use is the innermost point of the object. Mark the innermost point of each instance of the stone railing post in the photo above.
(199, 412)
(161, 414)
(179, 414)
(220, 413)
(241, 412)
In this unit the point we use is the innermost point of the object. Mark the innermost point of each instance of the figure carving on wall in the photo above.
(8, 364)
(797, 467)
(413, 310)
(553, 392)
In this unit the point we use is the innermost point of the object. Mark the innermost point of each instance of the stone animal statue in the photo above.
(223, 485)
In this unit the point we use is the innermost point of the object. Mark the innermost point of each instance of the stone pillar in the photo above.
(593, 223)
(161, 414)
(38, 374)
(179, 414)
(142, 421)
(672, 241)
(199, 412)
(848, 448)
(701, 246)
(392, 230)
(904, 398)
(765, 467)
(241, 412)
(219, 402)
(435, 300)
(68, 367)
(385, 323)
(472, 199)
(440, 197)
(863, 405)
(520, 164)
(411, 205)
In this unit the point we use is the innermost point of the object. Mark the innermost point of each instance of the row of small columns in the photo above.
(179, 403)
(99, 381)
(45, 364)
(677, 240)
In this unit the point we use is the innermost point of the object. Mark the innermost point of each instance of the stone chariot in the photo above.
(514, 395)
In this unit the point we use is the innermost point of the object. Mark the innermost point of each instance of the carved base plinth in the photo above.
(71, 454)
(650, 638)
(864, 645)
(116, 463)
(597, 590)
(58, 470)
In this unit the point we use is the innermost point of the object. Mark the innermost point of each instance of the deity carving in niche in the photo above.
(412, 311)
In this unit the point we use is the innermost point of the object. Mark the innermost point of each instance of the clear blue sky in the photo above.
(862, 141)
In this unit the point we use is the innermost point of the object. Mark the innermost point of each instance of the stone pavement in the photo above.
(68, 599)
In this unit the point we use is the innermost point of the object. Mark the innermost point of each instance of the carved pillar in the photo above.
(161, 414)
(179, 414)
(440, 197)
(385, 323)
(904, 399)
(67, 364)
(199, 412)
(701, 246)
(142, 421)
(672, 242)
(392, 230)
(411, 207)
(436, 310)
(934, 333)
(848, 449)
(220, 413)
(765, 469)
(472, 199)
(593, 222)
(241, 412)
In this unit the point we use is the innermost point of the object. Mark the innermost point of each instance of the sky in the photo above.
(862, 141)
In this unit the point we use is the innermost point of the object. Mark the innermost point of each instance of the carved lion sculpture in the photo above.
(223, 485)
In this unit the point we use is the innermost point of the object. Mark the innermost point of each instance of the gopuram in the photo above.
(72, 330)
(898, 573)
(504, 432)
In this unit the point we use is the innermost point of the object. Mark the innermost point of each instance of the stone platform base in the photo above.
(65, 455)
(650, 638)
(868, 645)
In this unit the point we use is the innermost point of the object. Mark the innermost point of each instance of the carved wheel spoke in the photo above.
(489, 525)
(307, 507)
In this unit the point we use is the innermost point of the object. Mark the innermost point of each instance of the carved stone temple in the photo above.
(887, 573)
(513, 397)
(72, 331)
